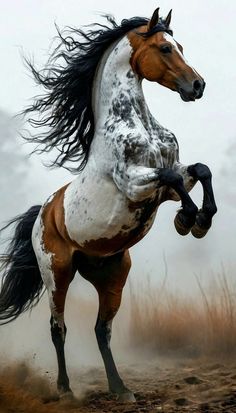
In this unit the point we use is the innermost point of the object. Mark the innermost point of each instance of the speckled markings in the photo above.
(128, 147)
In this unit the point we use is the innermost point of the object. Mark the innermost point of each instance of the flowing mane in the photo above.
(65, 107)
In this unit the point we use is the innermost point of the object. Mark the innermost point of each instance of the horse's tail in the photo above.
(21, 281)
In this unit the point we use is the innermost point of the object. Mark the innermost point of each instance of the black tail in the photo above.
(21, 282)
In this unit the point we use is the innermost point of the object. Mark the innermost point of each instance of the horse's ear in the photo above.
(168, 19)
(154, 20)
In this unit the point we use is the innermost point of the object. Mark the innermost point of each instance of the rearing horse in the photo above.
(127, 165)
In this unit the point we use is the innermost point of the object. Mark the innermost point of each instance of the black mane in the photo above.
(65, 108)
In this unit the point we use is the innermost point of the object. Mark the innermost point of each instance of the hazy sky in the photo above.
(205, 129)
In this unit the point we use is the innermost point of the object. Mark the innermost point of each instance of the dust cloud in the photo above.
(172, 351)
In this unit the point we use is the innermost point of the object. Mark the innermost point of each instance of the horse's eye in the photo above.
(166, 49)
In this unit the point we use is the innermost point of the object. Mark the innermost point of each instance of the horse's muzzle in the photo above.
(191, 91)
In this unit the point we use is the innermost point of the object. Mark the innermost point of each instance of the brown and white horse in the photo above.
(127, 165)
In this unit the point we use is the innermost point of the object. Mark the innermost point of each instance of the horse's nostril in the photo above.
(197, 85)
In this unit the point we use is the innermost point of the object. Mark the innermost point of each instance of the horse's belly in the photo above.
(98, 217)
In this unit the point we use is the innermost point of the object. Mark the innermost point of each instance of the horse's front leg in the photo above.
(186, 216)
(139, 183)
(191, 174)
(204, 216)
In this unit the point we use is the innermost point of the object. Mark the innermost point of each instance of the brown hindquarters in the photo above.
(108, 275)
(56, 242)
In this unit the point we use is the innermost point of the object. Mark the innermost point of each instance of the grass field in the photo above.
(182, 324)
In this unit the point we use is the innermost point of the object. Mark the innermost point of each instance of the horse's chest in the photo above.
(163, 149)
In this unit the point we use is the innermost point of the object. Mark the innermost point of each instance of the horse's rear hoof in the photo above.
(126, 397)
(180, 225)
(66, 395)
(68, 400)
(202, 225)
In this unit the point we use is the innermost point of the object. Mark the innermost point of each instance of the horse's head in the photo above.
(159, 58)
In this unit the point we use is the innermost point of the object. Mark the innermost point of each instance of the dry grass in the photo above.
(200, 325)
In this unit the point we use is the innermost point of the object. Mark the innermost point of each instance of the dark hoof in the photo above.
(127, 397)
(202, 225)
(198, 232)
(182, 224)
(69, 401)
(66, 395)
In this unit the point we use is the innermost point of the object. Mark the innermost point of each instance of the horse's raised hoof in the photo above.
(202, 225)
(181, 224)
(127, 397)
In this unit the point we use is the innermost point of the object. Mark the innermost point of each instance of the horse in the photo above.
(127, 164)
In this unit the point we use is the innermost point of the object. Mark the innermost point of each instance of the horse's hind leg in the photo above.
(62, 276)
(108, 275)
(54, 261)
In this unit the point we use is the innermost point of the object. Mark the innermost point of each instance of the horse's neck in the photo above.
(117, 88)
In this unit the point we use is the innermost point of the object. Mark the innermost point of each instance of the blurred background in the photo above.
(205, 130)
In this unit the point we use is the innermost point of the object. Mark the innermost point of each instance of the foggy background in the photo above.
(205, 131)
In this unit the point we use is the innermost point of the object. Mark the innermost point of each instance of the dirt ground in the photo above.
(195, 374)
(159, 386)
